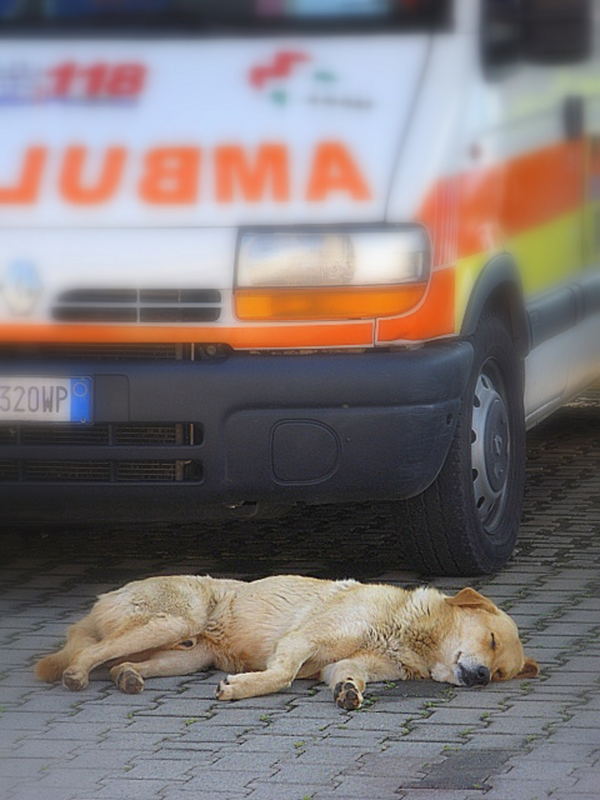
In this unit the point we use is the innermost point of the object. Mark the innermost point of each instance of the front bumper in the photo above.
(267, 430)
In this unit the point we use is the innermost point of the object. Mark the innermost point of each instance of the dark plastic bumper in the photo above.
(275, 429)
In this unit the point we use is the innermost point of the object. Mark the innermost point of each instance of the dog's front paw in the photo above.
(347, 695)
(129, 680)
(74, 679)
(225, 690)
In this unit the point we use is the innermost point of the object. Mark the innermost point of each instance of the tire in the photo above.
(467, 521)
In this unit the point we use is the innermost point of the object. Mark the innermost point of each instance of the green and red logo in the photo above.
(320, 86)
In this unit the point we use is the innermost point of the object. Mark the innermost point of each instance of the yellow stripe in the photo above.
(546, 256)
(549, 254)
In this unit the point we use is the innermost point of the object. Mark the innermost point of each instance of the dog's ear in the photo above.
(530, 669)
(468, 597)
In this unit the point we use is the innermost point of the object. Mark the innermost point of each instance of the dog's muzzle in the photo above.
(478, 675)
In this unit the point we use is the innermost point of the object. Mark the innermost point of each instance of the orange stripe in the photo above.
(503, 200)
(433, 318)
(543, 185)
(320, 303)
(359, 334)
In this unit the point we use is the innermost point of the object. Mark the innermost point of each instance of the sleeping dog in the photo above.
(267, 632)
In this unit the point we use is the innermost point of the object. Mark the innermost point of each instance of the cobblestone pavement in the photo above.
(521, 740)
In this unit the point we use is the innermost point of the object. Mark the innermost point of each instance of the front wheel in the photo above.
(467, 521)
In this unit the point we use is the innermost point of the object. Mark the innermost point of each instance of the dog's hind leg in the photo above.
(79, 636)
(160, 631)
(348, 678)
(129, 675)
(283, 666)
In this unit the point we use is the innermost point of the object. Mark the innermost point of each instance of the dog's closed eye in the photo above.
(493, 642)
(187, 643)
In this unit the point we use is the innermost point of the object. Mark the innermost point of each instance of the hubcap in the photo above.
(490, 447)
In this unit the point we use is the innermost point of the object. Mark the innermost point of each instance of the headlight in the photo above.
(328, 274)
(332, 259)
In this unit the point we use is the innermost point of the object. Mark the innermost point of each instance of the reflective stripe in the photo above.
(434, 316)
(347, 334)
(493, 203)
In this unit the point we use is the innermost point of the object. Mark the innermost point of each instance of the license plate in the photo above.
(30, 399)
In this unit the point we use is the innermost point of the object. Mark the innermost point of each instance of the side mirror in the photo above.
(556, 31)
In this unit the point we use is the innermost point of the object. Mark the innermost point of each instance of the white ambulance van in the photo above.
(262, 252)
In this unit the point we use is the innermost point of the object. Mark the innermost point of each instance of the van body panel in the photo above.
(314, 144)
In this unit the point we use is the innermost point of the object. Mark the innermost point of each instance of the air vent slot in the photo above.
(90, 471)
(122, 434)
(159, 306)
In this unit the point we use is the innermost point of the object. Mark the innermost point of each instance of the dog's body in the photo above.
(270, 631)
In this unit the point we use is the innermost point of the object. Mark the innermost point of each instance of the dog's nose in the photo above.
(482, 675)
(474, 676)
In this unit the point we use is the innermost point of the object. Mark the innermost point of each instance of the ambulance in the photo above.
(257, 253)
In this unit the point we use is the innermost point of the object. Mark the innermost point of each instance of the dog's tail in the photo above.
(51, 667)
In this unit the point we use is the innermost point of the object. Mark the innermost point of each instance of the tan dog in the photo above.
(273, 630)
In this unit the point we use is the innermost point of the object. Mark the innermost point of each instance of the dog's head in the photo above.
(482, 644)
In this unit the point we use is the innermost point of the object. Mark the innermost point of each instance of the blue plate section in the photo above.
(81, 399)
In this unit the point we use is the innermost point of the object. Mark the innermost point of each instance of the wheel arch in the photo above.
(499, 288)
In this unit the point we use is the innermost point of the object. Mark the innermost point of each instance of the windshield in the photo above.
(191, 16)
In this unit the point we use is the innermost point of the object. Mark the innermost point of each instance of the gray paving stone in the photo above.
(362, 787)
(221, 783)
(125, 789)
(460, 716)
(322, 753)
(298, 772)
(115, 760)
(504, 789)
(369, 721)
(405, 748)
(22, 767)
(197, 732)
(440, 794)
(491, 740)
(367, 739)
(273, 744)
(43, 748)
(386, 764)
(176, 793)
(429, 731)
(529, 769)
(32, 791)
(156, 724)
(159, 767)
(326, 794)
(236, 761)
(78, 731)
(527, 726)
(25, 720)
(61, 705)
(121, 739)
(586, 780)
(279, 791)
(64, 775)
(567, 735)
(296, 726)
(543, 751)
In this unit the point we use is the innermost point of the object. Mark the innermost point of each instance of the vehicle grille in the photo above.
(99, 352)
(127, 439)
(138, 434)
(138, 305)
(9, 471)
(162, 471)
